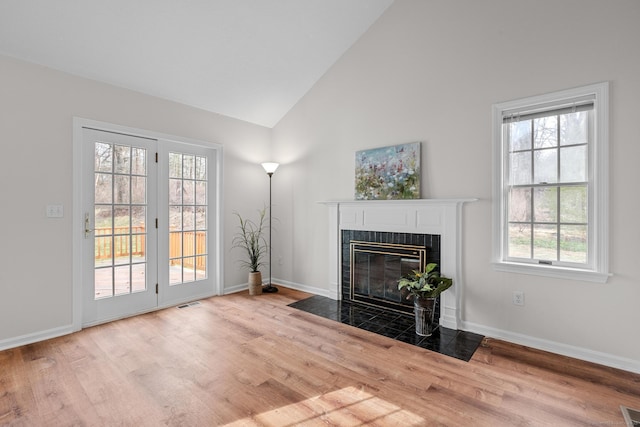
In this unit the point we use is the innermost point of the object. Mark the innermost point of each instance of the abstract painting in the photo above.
(388, 172)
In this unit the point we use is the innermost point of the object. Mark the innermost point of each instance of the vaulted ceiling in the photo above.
(248, 59)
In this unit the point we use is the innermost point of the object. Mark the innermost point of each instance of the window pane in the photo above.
(573, 164)
(520, 135)
(545, 242)
(121, 220)
(122, 154)
(573, 243)
(573, 128)
(545, 166)
(520, 172)
(545, 204)
(520, 205)
(103, 159)
(545, 132)
(188, 213)
(138, 219)
(519, 241)
(573, 204)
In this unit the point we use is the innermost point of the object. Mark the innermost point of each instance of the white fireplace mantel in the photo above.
(421, 216)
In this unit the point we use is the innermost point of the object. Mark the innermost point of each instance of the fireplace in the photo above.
(372, 263)
(399, 219)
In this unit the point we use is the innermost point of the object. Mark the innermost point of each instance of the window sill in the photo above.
(551, 271)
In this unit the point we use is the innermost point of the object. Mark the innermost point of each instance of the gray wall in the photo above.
(36, 110)
(430, 71)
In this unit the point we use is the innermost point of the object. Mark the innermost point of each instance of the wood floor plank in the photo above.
(238, 360)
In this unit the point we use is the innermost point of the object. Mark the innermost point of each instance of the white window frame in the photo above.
(597, 269)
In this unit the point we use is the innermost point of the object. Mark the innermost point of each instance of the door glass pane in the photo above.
(122, 155)
(103, 283)
(120, 220)
(187, 218)
(138, 279)
(122, 280)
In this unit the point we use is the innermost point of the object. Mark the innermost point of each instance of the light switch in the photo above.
(55, 211)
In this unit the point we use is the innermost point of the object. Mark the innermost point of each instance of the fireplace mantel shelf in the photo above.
(427, 216)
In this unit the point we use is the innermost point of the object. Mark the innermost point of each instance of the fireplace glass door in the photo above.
(376, 269)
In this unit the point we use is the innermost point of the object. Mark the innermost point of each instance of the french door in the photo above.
(147, 239)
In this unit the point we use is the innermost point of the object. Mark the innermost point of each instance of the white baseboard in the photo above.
(235, 288)
(555, 347)
(35, 337)
(310, 289)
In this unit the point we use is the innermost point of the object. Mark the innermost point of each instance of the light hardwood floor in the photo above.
(252, 361)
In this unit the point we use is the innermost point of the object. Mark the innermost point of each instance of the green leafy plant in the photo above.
(250, 238)
(427, 284)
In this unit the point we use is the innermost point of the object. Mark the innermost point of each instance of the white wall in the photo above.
(430, 71)
(36, 110)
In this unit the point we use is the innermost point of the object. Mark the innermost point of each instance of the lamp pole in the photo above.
(270, 168)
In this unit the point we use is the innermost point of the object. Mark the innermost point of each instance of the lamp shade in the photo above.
(270, 167)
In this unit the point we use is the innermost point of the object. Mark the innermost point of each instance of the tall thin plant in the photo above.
(250, 238)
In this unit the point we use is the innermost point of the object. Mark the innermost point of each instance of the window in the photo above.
(550, 184)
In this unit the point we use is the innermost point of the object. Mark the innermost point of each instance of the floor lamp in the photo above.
(270, 168)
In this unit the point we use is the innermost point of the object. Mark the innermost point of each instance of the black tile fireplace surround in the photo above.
(430, 243)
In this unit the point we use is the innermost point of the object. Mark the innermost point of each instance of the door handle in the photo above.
(87, 230)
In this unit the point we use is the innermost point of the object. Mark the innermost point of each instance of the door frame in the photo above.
(78, 240)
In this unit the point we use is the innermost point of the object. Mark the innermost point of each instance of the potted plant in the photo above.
(251, 240)
(424, 287)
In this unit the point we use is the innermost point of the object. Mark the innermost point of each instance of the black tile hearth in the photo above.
(399, 326)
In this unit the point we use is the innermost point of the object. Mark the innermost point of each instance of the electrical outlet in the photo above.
(518, 297)
(55, 211)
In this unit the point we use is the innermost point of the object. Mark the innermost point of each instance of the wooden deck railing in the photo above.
(125, 244)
